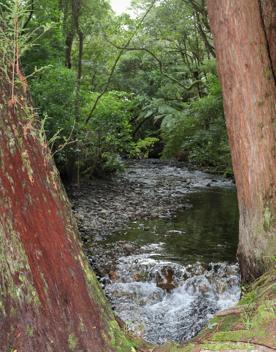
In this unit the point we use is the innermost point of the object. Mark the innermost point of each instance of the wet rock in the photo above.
(120, 322)
(165, 279)
(113, 275)
(138, 277)
(176, 232)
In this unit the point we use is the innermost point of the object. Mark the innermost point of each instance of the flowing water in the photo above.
(167, 273)
(184, 271)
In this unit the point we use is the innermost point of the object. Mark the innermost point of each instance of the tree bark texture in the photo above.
(68, 49)
(243, 32)
(49, 298)
(268, 13)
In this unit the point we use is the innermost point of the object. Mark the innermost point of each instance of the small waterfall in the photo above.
(166, 301)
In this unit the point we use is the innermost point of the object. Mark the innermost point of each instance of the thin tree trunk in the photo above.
(69, 31)
(68, 49)
(209, 48)
(76, 11)
(248, 83)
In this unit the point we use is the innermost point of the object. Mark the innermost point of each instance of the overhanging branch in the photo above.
(117, 60)
(30, 15)
(161, 66)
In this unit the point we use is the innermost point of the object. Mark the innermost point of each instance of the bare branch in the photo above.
(30, 15)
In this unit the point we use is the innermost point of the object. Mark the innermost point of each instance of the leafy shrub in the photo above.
(95, 146)
(197, 133)
(53, 92)
(108, 135)
(142, 147)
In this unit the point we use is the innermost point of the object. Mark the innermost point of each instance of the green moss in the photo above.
(228, 346)
(250, 297)
(238, 335)
(268, 73)
(14, 264)
(267, 219)
(82, 326)
(27, 165)
(119, 341)
(29, 331)
(265, 314)
(72, 342)
(270, 258)
(95, 289)
(225, 323)
(13, 312)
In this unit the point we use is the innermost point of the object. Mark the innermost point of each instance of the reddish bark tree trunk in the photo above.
(268, 13)
(246, 57)
(49, 298)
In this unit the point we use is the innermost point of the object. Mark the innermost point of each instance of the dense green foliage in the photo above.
(98, 144)
(113, 87)
(197, 132)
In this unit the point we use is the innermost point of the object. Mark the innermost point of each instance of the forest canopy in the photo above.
(109, 87)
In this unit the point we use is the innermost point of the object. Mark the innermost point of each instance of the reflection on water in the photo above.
(205, 232)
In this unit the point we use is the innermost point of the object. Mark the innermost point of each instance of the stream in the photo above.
(162, 239)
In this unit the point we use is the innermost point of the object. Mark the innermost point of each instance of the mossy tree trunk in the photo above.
(243, 32)
(49, 298)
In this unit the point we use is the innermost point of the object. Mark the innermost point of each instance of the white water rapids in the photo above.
(159, 315)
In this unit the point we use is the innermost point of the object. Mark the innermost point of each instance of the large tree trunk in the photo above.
(49, 298)
(242, 32)
(268, 13)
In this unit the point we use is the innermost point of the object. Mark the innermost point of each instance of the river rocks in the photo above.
(113, 275)
(103, 256)
(155, 295)
(165, 279)
(146, 189)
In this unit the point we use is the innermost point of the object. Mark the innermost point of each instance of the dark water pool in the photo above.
(207, 231)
